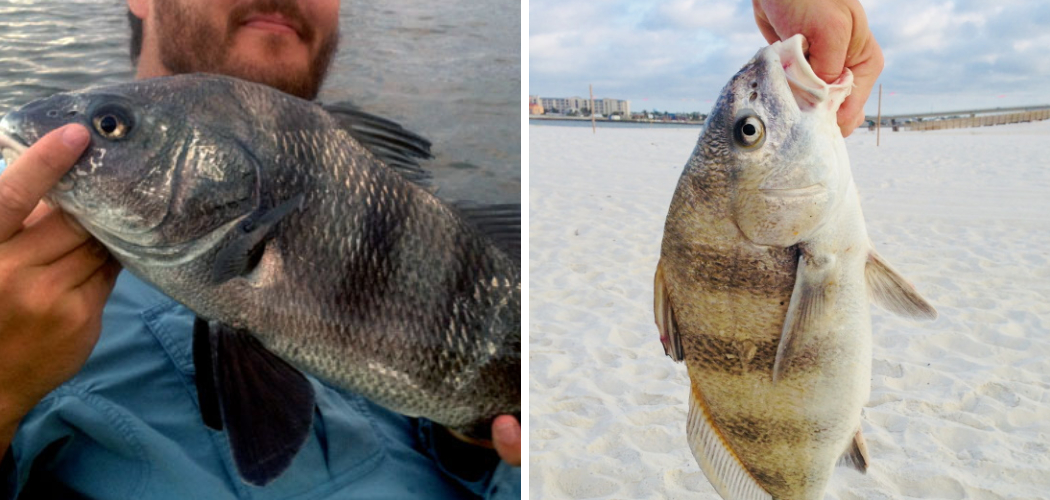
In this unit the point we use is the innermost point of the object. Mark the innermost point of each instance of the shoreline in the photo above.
(606, 120)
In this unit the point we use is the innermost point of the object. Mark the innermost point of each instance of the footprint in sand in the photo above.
(655, 439)
(579, 483)
(1000, 393)
(646, 399)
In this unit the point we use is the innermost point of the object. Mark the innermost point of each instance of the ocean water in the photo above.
(449, 71)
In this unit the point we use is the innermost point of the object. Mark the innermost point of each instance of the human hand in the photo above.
(506, 437)
(54, 279)
(839, 38)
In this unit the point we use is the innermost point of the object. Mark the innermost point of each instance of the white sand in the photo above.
(960, 407)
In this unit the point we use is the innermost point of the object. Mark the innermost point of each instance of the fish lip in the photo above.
(811, 190)
(12, 145)
(808, 89)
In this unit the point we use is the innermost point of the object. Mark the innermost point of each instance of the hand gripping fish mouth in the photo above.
(810, 92)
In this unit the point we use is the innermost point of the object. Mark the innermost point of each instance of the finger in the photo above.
(763, 23)
(76, 267)
(506, 437)
(866, 69)
(829, 42)
(98, 286)
(38, 213)
(39, 168)
(46, 240)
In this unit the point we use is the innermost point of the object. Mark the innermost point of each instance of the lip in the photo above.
(274, 23)
(11, 146)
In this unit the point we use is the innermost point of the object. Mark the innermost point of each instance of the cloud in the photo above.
(678, 54)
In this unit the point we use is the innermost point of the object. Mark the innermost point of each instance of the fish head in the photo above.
(773, 144)
(150, 185)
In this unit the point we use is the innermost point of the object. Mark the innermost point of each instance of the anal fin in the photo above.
(266, 405)
(891, 291)
(721, 466)
(665, 320)
(856, 455)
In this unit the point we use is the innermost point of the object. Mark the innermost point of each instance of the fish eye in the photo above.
(749, 132)
(112, 122)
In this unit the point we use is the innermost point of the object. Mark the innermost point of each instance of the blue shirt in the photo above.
(128, 426)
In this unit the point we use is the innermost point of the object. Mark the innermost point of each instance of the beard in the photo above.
(189, 44)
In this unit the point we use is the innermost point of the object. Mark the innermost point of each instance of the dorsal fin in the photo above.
(500, 222)
(398, 148)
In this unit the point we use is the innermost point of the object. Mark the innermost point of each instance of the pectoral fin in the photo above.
(664, 313)
(810, 302)
(265, 405)
(718, 461)
(856, 455)
(242, 254)
(892, 292)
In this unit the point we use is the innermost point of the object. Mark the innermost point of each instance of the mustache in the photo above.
(289, 9)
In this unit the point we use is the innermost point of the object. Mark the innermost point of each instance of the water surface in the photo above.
(448, 70)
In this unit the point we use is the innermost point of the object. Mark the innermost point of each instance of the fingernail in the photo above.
(507, 431)
(75, 136)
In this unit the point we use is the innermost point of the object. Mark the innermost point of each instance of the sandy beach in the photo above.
(959, 408)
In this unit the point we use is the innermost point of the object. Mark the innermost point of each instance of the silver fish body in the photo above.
(360, 278)
(764, 281)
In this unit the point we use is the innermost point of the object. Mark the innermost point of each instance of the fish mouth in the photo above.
(11, 145)
(808, 89)
(811, 190)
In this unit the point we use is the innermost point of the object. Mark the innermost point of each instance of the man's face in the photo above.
(287, 44)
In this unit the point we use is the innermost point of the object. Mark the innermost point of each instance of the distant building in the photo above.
(603, 106)
(535, 107)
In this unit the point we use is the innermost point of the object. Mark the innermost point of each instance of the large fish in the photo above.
(263, 214)
(764, 282)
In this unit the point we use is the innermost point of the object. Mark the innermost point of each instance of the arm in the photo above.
(839, 38)
(54, 279)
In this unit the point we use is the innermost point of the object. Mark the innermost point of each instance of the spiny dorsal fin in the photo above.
(719, 463)
(856, 455)
(500, 222)
(891, 291)
(665, 320)
(398, 148)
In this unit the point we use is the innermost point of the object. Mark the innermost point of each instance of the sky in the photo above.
(676, 55)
